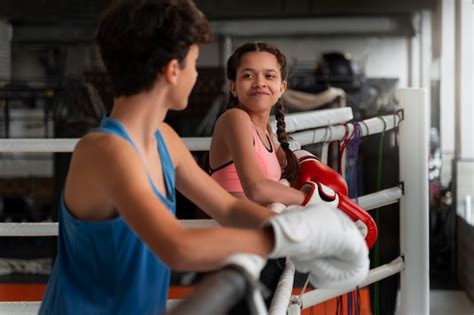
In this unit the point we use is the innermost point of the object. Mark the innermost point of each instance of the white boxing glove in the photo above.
(323, 241)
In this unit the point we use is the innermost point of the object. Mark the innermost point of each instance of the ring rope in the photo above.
(317, 296)
(367, 202)
(312, 136)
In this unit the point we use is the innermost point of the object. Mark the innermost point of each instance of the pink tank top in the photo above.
(226, 175)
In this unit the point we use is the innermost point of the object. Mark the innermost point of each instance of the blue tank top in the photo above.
(102, 267)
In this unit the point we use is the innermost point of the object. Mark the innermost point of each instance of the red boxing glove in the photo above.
(312, 169)
(320, 194)
(327, 187)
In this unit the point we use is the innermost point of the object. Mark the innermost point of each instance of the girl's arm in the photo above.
(235, 128)
(208, 195)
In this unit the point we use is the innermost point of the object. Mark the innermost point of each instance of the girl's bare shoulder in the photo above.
(233, 116)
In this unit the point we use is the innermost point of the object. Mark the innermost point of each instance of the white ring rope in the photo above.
(37, 145)
(380, 198)
(320, 295)
(51, 228)
(314, 119)
(367, 202)
(17, 308)
(13, 229)
(40, 266)
(318, 135)
(368, 127)
(317, 296)
(282, 293)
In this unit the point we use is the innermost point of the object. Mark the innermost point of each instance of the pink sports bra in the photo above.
(226, 175)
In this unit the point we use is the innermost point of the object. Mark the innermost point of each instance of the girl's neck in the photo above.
(260, 124)
(260, 119)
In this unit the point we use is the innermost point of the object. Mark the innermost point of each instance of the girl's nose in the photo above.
(259, 82)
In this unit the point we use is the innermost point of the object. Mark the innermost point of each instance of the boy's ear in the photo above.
(171, 71)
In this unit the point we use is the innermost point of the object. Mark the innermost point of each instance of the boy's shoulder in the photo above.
(170, 136)
(167, 131)
(99, 144)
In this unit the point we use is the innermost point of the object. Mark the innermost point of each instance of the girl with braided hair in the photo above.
(243, 158)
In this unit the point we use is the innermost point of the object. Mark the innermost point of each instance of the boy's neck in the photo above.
(142, 113)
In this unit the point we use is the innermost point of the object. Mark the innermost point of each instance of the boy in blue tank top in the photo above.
(118, 235)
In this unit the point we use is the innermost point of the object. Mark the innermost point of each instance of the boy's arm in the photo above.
(128, 189)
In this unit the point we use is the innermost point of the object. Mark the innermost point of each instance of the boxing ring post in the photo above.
(414, 229)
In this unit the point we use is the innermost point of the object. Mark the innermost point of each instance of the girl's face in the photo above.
(258, 84)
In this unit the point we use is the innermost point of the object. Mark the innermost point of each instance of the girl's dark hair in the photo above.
(137, 38)
(291, 170)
